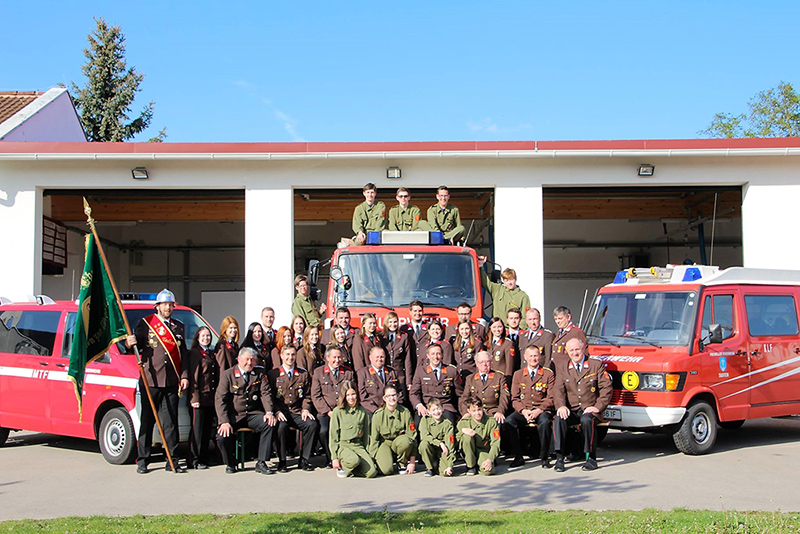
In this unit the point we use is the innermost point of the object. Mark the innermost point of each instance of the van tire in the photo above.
(698, 430)
(731, 425)
(3, 435)
(117, 438)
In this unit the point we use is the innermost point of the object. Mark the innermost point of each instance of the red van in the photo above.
(693, 348)
(36, 395)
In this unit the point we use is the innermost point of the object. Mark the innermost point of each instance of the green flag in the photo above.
(99, 323)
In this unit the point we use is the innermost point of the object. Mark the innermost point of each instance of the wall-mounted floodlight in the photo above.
(139, 173)
(393, 173)
(646, 169)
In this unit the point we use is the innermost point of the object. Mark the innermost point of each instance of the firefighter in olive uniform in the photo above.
(349, 436)
(291, 390)
(532, 399)
(479, 438)
(369, 216)
(393, 435)
(444, 217)
(404, 216)
(583, 390)
(437, 441)
(244, 400)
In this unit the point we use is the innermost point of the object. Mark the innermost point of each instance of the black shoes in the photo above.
(199, 465)
(517, 462)
(142, 469)
(590, 465)
(560, 465)
(178, 468)
(305, 465)
(546, 463)
(264, 468)
(472, 471)
(282, 467)
(231, 469)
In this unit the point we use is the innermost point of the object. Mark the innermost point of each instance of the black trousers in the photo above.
(588, 424)
(166, 402)
(256, 423)
(324, 431)
(518, 424)
(308, 428)
(202, 427)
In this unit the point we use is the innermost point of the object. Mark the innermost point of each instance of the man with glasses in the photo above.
(405, 216)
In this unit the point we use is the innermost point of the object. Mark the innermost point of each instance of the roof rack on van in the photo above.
(671, 274)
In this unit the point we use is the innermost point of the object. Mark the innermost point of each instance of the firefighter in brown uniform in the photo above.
(291, 388)
(244, 400)
(398, 350)
(501, 348)
(538, 336)
(326, 384)
(464, 311)
(532, 399)
(489, 386)
(566, 331)
(582, 393)
(373, 379)
(417, 331)
(368, 337)
(342, 319)
(436, 381)
(162, 349)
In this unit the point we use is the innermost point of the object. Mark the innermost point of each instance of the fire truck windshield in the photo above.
(655, 318)
(394, 279)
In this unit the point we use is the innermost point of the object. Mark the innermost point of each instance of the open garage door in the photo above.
(591, 233)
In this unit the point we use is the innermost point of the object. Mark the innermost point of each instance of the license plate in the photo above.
(613, 414)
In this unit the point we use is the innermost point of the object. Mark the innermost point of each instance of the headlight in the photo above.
(652, 381)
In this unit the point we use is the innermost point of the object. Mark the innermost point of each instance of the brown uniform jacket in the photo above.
(325, 337)
(494, 393)
(464, 358)
(504, 357)
(227, 354)
(560, 338)
(447, 388)
(370, 386)
(203, 376)
(236, 399)
(447, 354)
(325, 387)
(399, 357)
(529, 393)
(361, 347)
(591, 388)
(416, 341)
(452, 329)
(290, 394)
(542, 338)
(158, 368)
(310, 362)
(264, 352)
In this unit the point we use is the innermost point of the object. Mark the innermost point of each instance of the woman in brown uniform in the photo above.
(282, 338)
(310, 356)
(298, 329)
(368, 337)
(435, 336)
(227, 349)
(398, 351)
(465, 347)
(339, 340)
(255, 340)
(500, 347)
(203, 380)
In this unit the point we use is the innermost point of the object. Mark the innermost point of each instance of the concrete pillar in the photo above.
(519, 238)
(269, 253)
(21, 224)
(769, 224)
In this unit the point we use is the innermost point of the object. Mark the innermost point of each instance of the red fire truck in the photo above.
(35, 393)
(394, 268)
(693, 348)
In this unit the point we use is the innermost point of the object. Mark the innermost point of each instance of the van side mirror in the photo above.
(495, 276)
(313, 272)
(714, 333)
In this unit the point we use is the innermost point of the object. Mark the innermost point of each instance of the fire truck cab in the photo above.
(394, 268)
(693, 348)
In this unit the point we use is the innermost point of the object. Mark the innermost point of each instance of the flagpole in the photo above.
(88, 211)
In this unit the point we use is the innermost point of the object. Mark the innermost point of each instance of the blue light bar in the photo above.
(437, 238)
(692, 274)
(373, 238)
(621, 277)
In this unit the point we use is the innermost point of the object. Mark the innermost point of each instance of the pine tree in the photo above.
(105, 101)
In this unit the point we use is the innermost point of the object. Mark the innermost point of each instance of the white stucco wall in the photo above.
(769, 225)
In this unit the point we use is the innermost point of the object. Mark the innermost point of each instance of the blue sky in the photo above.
(420, 71)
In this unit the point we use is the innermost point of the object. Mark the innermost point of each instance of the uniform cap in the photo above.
(165, 295)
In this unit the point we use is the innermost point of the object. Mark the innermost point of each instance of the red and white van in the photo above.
(36, 395)
(691, 348)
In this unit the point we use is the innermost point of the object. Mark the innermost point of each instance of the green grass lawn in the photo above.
(463, 521)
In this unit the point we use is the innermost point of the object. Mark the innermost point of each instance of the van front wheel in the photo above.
(698, 430)
(116, 437)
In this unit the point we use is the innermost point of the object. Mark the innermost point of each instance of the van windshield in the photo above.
(394, 279)
(659, 319)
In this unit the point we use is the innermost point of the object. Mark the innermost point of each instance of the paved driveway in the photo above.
(754, 468)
